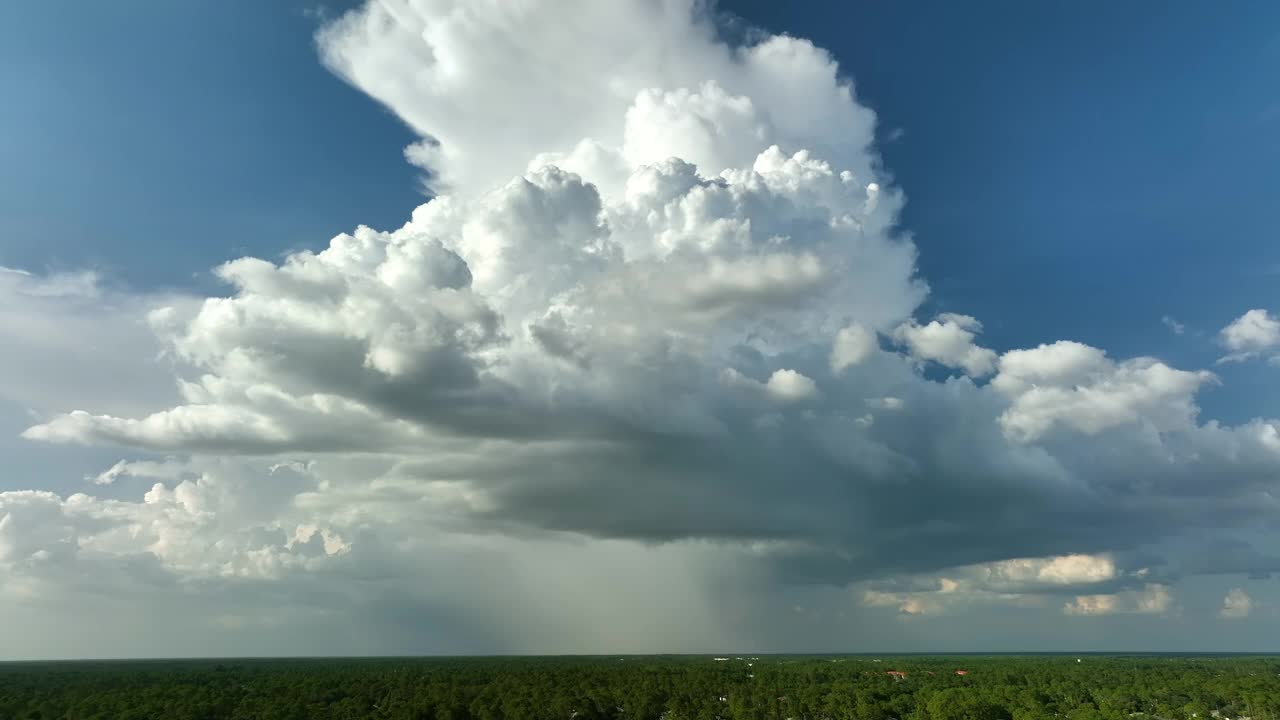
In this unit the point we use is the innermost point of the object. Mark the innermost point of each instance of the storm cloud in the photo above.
(658, 323)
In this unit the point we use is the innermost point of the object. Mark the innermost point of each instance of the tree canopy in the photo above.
(650, 688)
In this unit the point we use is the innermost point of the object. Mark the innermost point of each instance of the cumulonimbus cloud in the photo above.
(646, 304)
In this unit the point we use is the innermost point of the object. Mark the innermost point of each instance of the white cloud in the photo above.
(1091, 605)
(1061, 570)
(784, 386)
(1018, 581)
(1096, 583)
(1071, 385)
(790, 385)
(449, 322)
(32, 528)
(886, 403)
(642, 81)
(1153, 599)
(137, 469)
(1236, 604)
(948, 340)
(1253, 333)
(906, 603)
(1175, 326)
(852, 345)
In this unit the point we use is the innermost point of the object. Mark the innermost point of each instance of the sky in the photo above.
(425, 327)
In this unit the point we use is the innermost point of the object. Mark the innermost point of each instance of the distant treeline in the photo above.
(649, 688)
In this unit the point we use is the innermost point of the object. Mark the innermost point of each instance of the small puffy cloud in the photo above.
(1071, 385)
(1252, 334)
(789, 385)
(783, 386)
(852, 345)
(1236, 604)
(1153, 599)
(1076, 569)
(1095, 583)
(1018, 581)
(1176, 327)
(948, 340)
(905, 603)
(1091, 605)
(886, 403)
(1063, 363)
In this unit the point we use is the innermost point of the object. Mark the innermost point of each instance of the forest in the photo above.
(1088, 687)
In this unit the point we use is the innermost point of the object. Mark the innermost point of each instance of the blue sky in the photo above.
(154, 140)
(653, 380)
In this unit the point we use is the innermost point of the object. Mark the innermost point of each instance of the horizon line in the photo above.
(623, 655)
